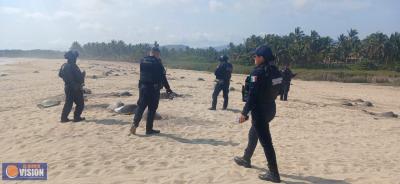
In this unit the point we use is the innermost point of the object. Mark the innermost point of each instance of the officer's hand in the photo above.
(243, 118)
(169, 91)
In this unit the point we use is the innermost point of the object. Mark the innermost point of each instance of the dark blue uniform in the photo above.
(287, 78)
(223, 74)
(74, 80)
(152, 79)
(262, 107)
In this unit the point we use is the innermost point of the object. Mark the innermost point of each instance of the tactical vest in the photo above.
(151, 71)
(270, 87)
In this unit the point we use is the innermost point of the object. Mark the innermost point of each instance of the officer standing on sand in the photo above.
(287, 75)
(74, 80)
(223, 74)
(152, 79)
(263, 88)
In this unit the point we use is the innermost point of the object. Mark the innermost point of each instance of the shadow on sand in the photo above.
(110, 122)
(304, 179)
(212, 142)
(234, 110)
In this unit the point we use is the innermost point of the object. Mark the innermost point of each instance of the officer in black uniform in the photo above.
(261, 103)
(287, 75)
(152, 79)
(223, 75)
(74, 80)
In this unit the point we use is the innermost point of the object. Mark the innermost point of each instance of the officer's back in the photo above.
(151, 70)
(224, 71)
(71, 74)
(287, 74)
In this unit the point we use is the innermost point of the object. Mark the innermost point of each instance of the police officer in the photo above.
(287, 75)
(223, 75)
(152, 79)
(261, 103)
(74, 81)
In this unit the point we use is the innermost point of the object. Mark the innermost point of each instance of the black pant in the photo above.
(224, 86)
(72, 96)
(149, 96)
(261, 116)
(285, 91)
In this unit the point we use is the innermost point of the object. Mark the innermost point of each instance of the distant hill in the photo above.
(32, 53)
(218, 48)
(176, 47)
(221, 48)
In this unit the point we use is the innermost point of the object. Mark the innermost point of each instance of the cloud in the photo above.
(300, 4)
(35, 15)
(9, 10)
(91, 26)
(332, 5)
(215, 5)
(193, 22)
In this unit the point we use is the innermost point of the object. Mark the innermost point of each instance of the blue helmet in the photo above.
(223, 58)
(265, 51)
(72, 54)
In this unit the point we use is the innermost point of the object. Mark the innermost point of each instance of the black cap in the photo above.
(72, 54)
(223, 58)
(264, 51)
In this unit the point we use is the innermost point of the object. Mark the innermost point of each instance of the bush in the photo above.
(397, 68)
(366, 65)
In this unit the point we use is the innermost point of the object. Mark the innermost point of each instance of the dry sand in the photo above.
(317, 139)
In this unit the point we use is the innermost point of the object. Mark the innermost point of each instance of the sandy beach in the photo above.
(324, 134)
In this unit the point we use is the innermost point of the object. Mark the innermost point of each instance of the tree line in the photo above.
(376, 50)
(298, 48)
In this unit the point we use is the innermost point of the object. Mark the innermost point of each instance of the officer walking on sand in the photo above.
(74, 81)
(287, 75)
(152, 79)
(263, 87)
(223, 75)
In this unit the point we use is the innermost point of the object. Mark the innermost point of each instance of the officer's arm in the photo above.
(165, 83)
(218, 70)
(254, 88)
(78, 76)
(164, 78)
(229, 68)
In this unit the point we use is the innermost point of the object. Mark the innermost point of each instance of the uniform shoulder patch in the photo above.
(253, 78)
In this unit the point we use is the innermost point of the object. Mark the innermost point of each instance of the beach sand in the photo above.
(316, 138)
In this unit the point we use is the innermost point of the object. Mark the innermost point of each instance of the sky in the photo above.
(55, 24)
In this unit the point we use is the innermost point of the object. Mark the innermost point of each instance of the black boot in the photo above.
(225, 106)
(132, 130)
(271, 175)
(79, 119)
(242, 162)
(212, 108)
(64, 120)
(150, 132)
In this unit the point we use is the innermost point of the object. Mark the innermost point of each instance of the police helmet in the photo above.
(265, 51)
(223, 58)
(71, 54)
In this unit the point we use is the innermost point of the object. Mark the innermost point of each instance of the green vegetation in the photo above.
(376, 58)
